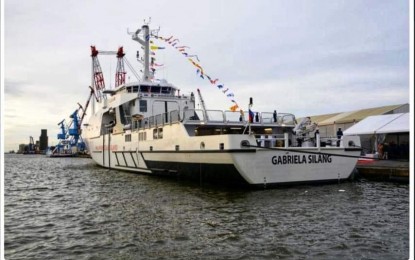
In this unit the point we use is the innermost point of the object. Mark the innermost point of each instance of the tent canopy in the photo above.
(382, 124)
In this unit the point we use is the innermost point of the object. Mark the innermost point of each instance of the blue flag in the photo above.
(251, 116)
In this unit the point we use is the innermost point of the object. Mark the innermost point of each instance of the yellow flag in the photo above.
(234, 108)
(154, 47)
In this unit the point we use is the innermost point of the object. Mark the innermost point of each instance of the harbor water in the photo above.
(69, 208)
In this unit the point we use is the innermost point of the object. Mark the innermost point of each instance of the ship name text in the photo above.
(301, 159)
(113, 147)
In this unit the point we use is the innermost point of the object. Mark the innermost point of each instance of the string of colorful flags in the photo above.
(194, 60)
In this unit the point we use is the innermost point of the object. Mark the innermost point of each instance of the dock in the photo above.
(384, 170)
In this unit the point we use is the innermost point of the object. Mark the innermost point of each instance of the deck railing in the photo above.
(284, 140)
(230, 117)
(198, 116)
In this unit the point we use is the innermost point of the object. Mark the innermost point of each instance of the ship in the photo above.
(148, 127)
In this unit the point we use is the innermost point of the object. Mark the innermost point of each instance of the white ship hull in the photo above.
(255, 166)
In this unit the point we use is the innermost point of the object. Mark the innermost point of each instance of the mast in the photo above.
(145, 42)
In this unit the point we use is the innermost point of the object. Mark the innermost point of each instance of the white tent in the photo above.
(382, 124)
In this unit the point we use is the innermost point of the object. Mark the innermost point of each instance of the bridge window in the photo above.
(155, 89)
(143, 105)
(133, 89)
(165, 90)
(144, 88)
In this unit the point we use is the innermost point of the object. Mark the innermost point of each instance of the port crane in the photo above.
(84, 108)
(98, 76)
(30, 148)
(70, 140)
(120, 71)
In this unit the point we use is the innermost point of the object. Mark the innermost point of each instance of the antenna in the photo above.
(155, 32)
(149, 21)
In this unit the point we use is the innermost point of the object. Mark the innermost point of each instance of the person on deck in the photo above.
(242, 115)
(339, 136)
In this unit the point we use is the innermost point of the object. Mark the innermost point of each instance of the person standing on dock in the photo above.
(385, 151)
(380, 151)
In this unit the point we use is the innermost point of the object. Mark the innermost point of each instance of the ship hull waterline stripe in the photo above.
(199, 151)
(129, 168)
(216, 173)
(249, 151)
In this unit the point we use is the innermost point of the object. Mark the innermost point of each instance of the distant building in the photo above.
(21, 148)
(328, 124)
(384, 135)
(43, 140)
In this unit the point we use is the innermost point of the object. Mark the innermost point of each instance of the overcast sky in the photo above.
(303, 57)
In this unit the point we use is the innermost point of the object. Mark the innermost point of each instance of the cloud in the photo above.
(305, 57)
(330, 90)
(14, 88)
